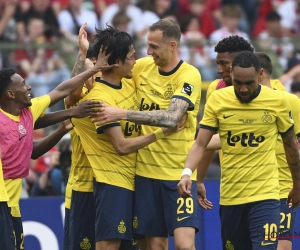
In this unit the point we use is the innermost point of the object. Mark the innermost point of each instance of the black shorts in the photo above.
(7, 238)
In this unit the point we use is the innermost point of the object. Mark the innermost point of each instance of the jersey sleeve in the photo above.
(295, 104)
(189, 87)
(210, 120)
(285, 120)
(39, 106)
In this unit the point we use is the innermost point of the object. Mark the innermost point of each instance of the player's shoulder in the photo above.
(276, 84)
(223, 93)
(213, 85)
(144, 62)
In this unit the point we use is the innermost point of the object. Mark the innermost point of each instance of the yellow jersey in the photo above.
(165, 158)
(107, 165)
(248, 133)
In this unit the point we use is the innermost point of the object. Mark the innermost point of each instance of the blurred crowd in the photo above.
(39, 39)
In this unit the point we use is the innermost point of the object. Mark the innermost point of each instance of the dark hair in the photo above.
(169, 28)
(295, 87)
(265, 62)
(233, 44)
(5, 75)
(116, 42)
(246, 59)
(273, 16)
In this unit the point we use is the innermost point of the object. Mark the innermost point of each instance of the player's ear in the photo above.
(261, 75)
(173, 45)
(10, 94)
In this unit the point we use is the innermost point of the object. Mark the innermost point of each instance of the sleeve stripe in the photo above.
(191, 105)
(209, 127)
(283, 133)
(101, 129)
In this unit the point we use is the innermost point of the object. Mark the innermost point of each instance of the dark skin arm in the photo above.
(82, 110)
(293, 160)
(44, 145)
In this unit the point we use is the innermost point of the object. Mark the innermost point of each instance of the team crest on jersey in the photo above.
(169, 93)
(266, 118)
(229, 246)
(22, 130)
(85, 244)
(121, 227)
(135, 223)
(187, 89)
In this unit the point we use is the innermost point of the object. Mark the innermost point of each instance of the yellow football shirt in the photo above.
(14, 186)
(285, 178)
(109, 167)
(3, 193)
(165, 158)
(81, 174)
(276, 84)
(248, 135)
(211, 88)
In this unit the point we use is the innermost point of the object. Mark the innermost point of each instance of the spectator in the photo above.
(136, 24)
(290, 16)
(101, 5)
(121, 21)
(194, 49)
(39, 9)
(274, 39)
(42, 68)
(231, 14)
(56, 5)
(72, 18)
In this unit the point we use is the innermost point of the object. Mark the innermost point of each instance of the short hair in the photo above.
(170, 28)
(116, 42)
(246, 59)
(120, 18)
(265, 62)
(295, 87)
(233, 44)
(273, 16)
(5, 78)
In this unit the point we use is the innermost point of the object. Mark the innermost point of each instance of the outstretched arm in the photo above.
(161, 118)
(83, 109)
(42, 146)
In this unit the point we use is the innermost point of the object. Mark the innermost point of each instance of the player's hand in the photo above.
(101, 63)
(293, 199)
(67, 125)
(82, 40)
(184, 186)
(84, 109)
(201, 193)
(180, 126)
(106, 114)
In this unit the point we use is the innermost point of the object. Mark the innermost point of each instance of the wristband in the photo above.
(187, 171)
(159, 134)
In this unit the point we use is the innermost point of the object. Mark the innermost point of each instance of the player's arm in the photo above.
(82, 110)
(293, 160)
(161, 118)
(44, 145)
(125, 146)
(214, 143)
(193, 160)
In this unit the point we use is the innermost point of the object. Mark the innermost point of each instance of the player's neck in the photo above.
(266, 82)
(171, 65)
(111, 78)
(11, 109)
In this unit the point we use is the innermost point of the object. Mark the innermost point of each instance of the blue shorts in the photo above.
(82, 221)
(128, 245)
(159, 209)
(287, 221)
(19, 234)
(7, 238)
(67, 229)
(250, 226)
(114, 207)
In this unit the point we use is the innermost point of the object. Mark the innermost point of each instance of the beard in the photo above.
(243, 101)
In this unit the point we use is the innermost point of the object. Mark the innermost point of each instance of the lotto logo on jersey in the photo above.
(150, 107)
(131, 127)
(245, 139)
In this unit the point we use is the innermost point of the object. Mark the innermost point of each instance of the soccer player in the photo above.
(18, 114)
(167, 88)
(111, 148)
(248, 117)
